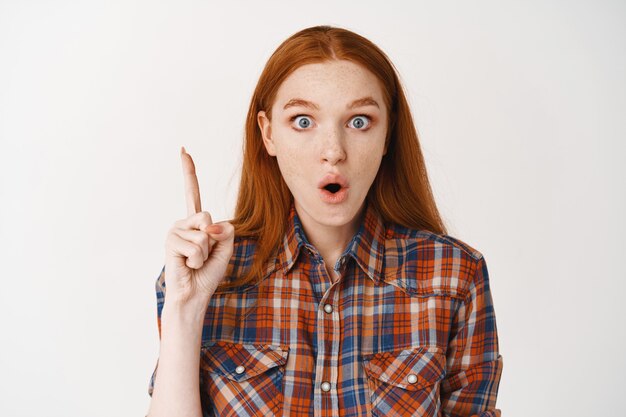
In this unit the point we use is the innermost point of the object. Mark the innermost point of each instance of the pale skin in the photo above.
(339, 139)
(331, 143)
(197, 252)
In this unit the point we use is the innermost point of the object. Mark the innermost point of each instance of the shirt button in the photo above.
(240, 369)
(328, 308)
(412, 379)
(325, 386)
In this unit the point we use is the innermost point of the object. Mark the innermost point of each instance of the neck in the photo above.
(330, 241)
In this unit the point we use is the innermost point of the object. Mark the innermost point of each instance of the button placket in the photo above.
(325, 397)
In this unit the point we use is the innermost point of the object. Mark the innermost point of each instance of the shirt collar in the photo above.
(367, 247)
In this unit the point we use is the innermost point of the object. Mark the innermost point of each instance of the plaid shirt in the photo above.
(408, 329)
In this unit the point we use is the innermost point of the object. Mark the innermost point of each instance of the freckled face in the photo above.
(327, 118)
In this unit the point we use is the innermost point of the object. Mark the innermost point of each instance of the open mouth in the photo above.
(332, 187)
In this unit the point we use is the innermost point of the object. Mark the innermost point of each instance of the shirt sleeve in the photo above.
(160, 298)
(473, 362)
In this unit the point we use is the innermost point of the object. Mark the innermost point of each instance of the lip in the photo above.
(331, 198)
(333, 178)
(340, 195)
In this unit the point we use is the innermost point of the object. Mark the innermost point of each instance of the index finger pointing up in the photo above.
(192, 190)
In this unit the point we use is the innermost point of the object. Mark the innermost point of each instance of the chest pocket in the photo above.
(405, 382)
(244, 379)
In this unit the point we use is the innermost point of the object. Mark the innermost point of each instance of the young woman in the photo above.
(335, 290)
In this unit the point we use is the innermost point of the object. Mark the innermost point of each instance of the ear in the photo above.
(266, 132)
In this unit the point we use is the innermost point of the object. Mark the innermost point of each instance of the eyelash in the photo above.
(369, 118)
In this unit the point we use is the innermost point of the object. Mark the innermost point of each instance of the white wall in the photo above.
(521, 111)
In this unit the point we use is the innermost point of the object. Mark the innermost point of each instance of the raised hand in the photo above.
(197, 251)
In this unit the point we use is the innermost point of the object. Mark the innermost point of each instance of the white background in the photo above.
(520, 107)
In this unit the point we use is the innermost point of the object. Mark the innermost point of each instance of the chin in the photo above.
(336, 215)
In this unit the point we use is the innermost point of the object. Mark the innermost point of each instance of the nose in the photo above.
(333, 149)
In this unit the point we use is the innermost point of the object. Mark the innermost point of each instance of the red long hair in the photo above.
(400, 193)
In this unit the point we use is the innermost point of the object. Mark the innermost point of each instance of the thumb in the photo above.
(224, 234)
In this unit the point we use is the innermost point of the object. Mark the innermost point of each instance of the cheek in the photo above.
(285, 162)
(369, 171)
(294, 174)
(368, 161)
(291, 161)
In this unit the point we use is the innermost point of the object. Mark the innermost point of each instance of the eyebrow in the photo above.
(298, 102)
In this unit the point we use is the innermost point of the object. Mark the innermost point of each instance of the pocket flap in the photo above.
(411, 369)
(239, 362)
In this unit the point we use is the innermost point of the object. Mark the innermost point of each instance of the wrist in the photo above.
(193, 309)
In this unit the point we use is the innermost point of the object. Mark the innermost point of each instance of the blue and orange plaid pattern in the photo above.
(408, 329)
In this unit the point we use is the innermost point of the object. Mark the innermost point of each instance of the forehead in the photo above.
(336, 80)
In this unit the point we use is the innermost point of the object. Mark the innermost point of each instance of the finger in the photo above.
(224, 234)
(198, 237)
(198, 221)
(192, 190)
(221, 231)
(184, 249)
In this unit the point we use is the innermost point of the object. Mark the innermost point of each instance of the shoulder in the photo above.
(424, 262)
(402, 238)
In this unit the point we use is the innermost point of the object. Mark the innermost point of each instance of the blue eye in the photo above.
(303, 122)
(361, 121)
